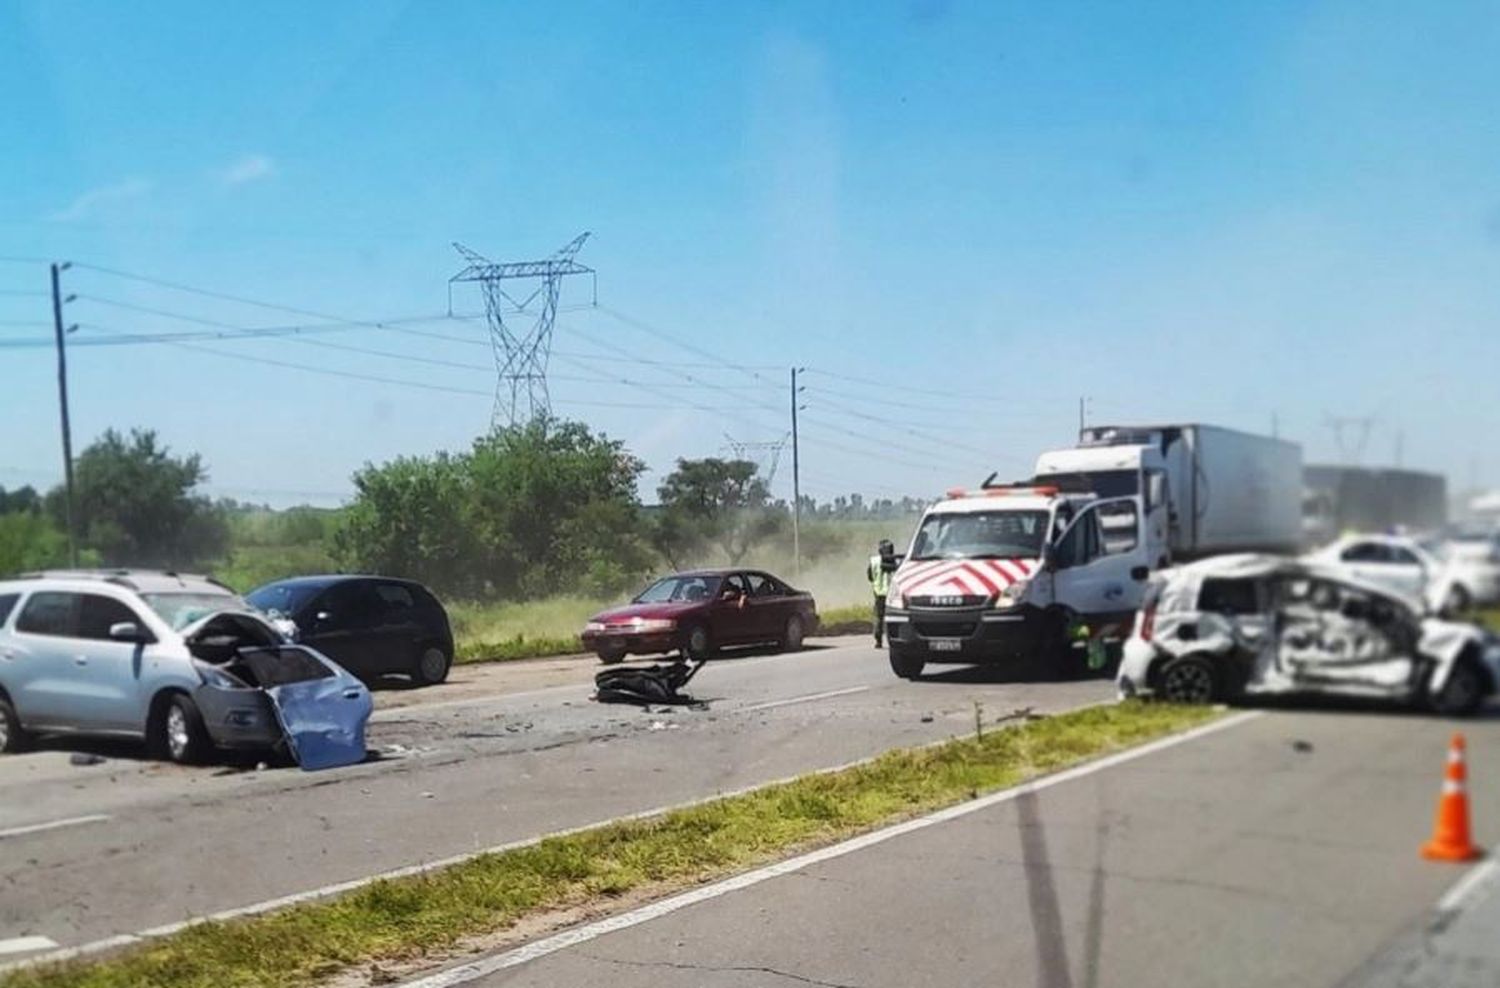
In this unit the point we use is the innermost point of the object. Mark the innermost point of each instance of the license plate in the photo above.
(944, 644)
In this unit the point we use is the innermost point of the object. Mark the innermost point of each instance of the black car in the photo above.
(370, 625)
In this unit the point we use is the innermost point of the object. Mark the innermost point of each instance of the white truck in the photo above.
(1205, 490)
(1008, 572)
(1013, 571)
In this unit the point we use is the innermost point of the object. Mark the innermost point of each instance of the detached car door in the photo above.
(322, 710)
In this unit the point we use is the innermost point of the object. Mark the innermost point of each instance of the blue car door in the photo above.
(322, 710)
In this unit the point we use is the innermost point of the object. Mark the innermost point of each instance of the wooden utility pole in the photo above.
(62, 401)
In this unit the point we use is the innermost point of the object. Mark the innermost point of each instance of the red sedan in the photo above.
(701, 611)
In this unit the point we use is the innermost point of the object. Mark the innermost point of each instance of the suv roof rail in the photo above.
(120, 577)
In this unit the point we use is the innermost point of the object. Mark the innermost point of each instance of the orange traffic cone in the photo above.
(1450, 832)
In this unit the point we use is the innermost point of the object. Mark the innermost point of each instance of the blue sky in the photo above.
(1186, 211)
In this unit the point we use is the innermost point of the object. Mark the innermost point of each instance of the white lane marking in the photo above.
(1465, 888)
(802, 699)
(338, 888)
(34, 828)
(25, 945)
(582, 934)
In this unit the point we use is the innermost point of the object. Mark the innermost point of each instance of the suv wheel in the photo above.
(13, 737)
(431, 667)
(1190, 679)
(904, 664)
(180, 735)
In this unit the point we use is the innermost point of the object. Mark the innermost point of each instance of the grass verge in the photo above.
(410, 917)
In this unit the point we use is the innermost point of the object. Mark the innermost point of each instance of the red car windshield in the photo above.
(675, 589)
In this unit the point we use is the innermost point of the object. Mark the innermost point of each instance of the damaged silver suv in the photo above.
(178, 661)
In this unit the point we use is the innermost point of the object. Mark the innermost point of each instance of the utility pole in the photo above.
(62, 401)
(796, 486)
(1400, 445)
(1082, 416)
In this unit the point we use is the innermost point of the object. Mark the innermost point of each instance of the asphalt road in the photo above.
(1279, 851)
(95, 851)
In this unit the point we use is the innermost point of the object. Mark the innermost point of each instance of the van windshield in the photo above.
(981, 535)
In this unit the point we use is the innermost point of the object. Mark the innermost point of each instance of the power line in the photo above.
(359, 376)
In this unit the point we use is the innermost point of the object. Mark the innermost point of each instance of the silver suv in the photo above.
(177, 660)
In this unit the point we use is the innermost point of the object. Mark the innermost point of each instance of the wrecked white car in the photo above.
(1256, 625)
(179, 661)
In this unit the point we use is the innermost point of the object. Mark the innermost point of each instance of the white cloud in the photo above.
(90, 202)
(250, 168)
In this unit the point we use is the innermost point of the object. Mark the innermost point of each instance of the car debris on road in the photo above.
(659, 683)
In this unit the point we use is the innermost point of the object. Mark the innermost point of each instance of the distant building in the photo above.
(1371, 499)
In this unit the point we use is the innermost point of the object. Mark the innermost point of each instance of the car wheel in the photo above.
(1462, 693)
(791, 637)
(904, 664)
(698, 643)
(611, 656)
(1458, 601)
(1190, 679)
(13, 737)
(432, 666)
(180, 735)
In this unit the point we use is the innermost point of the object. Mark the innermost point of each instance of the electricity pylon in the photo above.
(520, 355)
(765, 455)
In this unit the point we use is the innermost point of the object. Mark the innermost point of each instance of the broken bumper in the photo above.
(965, 635)
(237, 718)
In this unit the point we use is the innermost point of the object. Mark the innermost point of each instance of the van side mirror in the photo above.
(128, 631)
(1048, 559)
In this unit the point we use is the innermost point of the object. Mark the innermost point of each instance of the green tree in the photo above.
(714, 505)
(134, 504)
(29, 541)
(529, 510)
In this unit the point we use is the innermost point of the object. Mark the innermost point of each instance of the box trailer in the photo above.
(1205, 489)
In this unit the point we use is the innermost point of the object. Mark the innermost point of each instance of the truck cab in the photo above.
(1009, 572)
(1130, 470)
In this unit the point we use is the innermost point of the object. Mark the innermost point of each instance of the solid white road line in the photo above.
(801, 699)
(24, 945)
(1466, 887)
(34, 828)
(582, 934)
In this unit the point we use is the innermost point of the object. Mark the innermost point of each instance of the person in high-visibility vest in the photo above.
(879, 571)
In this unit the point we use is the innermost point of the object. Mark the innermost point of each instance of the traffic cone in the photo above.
(1450, 831)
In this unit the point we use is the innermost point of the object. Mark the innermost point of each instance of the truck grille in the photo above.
(947, 600)
(944, 629)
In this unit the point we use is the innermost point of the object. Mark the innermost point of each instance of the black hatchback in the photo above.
(370, 625)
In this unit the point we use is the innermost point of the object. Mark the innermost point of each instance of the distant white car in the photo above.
(1245, 625)
(1404, 565)
(1474, 559)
